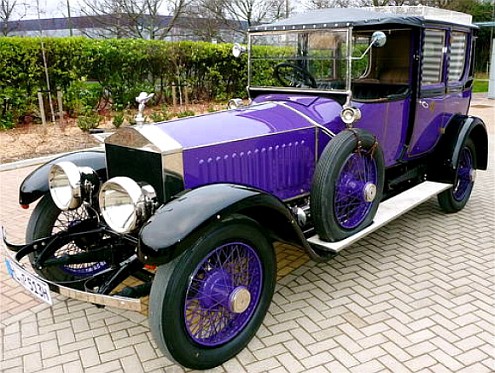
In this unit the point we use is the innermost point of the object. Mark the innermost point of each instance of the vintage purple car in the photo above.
(354, 118)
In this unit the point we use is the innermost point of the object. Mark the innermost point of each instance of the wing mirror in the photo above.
(378, 39)
(238, 50)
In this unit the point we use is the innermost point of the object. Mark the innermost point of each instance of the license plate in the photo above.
(31, 283)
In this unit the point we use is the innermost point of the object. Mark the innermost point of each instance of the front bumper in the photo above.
(117, 301)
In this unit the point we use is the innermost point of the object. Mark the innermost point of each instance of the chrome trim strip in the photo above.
(247, 138)
(310, 120)
(125, 303)
(298, 90)
(303, 195)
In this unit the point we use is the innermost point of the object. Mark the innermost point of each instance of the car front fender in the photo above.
(35, 185)
(162, 237)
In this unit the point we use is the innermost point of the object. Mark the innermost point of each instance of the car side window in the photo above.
(432, 64)
(458, 42)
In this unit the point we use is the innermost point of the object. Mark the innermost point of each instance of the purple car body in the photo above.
(348, 109)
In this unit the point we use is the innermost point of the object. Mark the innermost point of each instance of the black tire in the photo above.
(454, 199)
(170, 297)
(47, 219)
(347, 148)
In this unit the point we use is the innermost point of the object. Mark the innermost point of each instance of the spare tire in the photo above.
(347, 185)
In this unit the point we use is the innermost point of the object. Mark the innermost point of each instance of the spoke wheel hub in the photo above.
(239, 299)
(369, 192)
(218, 289)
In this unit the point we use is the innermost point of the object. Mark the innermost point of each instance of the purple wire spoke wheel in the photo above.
(65, 220)
(223, 293)
(465, 175)
(355, 189)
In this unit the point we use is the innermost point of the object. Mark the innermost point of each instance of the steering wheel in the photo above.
(291, 75)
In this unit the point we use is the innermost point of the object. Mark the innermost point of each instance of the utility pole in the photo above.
(69, 18)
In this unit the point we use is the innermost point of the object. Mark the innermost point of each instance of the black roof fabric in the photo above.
(338, 18)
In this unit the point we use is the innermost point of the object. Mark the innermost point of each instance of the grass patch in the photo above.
(480, 85)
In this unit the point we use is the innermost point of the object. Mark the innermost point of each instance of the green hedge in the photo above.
(122, 67)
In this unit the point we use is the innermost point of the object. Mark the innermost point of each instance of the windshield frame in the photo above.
(348, 74)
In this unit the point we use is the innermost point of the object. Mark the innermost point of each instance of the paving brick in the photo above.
(32, 362)
(416, 295)
(105, 367)
(131, 364)
(345, 358)
(290, 363)
(319, 359)
(420, 363)
(446, 360)
(89, 357)
(369, 367)
(267, 352)
(263, 365)
(73, 367)
(233, 365)
(60, 359)
(471, 357)
(104, 344)
(302, 336)
(116, 354)
(296, 349)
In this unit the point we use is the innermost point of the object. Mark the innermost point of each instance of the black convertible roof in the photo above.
(342, 17)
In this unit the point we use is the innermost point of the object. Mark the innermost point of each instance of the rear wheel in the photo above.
(455, 198)
(207, 304)
(48, 219)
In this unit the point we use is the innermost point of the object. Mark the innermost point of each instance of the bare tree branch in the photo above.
(132, 18)
(10, 9)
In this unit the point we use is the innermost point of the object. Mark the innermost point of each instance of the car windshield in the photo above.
(305, 59)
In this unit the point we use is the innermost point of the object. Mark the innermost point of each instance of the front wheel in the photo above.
(47, 219)
(347, 185)
(455, 198)
(207, 304)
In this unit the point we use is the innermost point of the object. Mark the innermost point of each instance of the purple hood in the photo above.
(232, 125)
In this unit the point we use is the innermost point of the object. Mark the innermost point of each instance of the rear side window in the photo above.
(432, 66)
(458, 42)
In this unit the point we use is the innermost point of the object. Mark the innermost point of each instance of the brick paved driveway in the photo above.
(418, 295)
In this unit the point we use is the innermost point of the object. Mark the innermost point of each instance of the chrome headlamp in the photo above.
(69, 184)
(350, 114)
(125, 204)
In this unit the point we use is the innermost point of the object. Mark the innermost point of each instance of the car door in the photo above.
(430, 114)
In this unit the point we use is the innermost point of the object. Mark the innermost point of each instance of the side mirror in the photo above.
(238, 50)
(378, 39)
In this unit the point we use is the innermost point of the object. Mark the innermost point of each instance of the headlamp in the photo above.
(125, 204)
(69, 183)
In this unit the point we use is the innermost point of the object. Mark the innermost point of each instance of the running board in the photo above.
(387, 211)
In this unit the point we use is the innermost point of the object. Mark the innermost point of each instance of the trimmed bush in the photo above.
(119, 69)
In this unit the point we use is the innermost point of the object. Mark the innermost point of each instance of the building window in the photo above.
(432, 67)
(457, 55)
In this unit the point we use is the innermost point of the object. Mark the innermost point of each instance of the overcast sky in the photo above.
(58, 8)
(51, 8)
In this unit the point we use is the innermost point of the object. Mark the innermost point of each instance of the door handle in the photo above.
(424, 104)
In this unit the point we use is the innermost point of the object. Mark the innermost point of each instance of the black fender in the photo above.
(445, 157)
(174, 222)
(35, 185)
